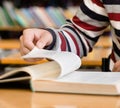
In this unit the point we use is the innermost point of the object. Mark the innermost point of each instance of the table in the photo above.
(9, 44)
(24, 98)
(18, 60)
(95, 57)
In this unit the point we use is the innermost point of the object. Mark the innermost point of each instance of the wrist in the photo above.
(51, 45)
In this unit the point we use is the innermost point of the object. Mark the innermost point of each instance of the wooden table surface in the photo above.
(17, 59)
(9, 44)
(23, 98)
(95, 57)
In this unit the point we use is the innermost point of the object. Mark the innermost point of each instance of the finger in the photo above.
(44, 40)
(116, 67)
(23, 49)
(28, 39)
(116, 70)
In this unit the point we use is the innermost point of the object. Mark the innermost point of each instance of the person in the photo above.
(80, 33)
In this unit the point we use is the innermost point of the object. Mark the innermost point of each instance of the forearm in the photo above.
(81, 33)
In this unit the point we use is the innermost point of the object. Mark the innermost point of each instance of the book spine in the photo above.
(10, 13)
(51, 13)
(3, 20)
(28, 17)
(36, 17)
(20, 18)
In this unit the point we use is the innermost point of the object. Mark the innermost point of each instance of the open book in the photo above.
(60, 75)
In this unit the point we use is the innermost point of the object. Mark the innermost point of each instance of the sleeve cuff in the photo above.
(54, 39)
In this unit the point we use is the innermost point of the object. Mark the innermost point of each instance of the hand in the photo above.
(116, 67)
(34, 37)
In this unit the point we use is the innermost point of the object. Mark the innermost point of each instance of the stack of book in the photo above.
(33, 16)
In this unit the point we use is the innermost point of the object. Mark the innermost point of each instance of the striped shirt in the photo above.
(80, 33)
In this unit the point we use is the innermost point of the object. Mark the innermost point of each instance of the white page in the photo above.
(68, 61)
(92, 77)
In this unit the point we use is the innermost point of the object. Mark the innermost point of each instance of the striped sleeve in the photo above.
(80, 33)
(113, 10)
